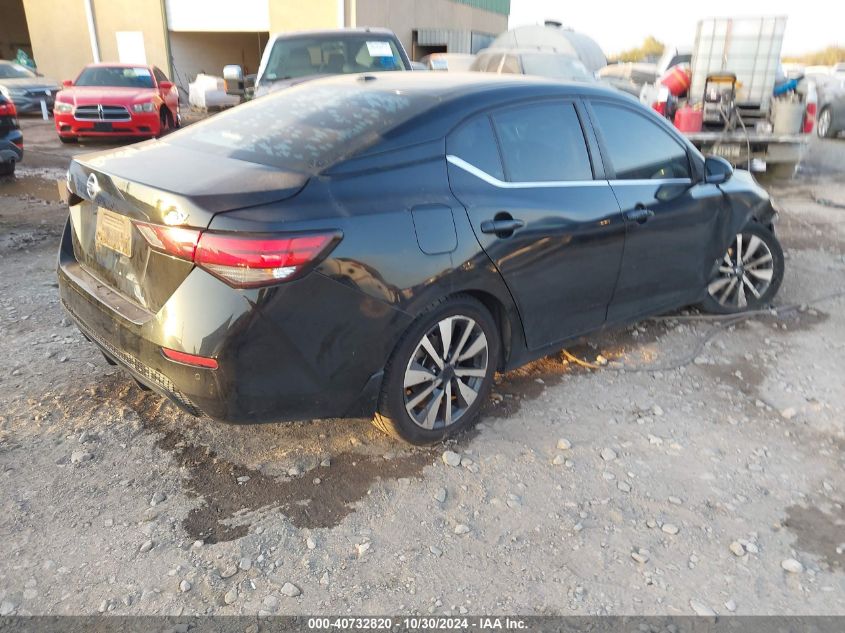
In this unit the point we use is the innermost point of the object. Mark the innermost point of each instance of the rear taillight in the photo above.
(242, 260)
(812, 100)
(809, 118)
(7, 108)
(173, 240)
(257, 260)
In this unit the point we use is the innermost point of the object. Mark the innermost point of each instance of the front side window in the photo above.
(543, 143)
(638, 148)
(116, 76)
(474, 142)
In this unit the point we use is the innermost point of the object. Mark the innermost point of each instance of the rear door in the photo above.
(545, 217)
(672, 221)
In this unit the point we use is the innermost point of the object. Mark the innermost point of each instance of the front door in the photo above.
(553, 231)
(672, 222)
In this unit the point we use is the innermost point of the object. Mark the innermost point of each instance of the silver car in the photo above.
(830, 120)
(532, 61)
(26, 88)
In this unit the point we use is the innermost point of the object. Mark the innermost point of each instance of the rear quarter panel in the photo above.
(380, 255)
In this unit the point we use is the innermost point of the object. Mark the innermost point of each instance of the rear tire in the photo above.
(8, 168)
(429, 393)
(165, 122)
(749, 274)
(824, 126)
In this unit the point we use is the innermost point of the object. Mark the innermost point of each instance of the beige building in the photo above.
(185, 37)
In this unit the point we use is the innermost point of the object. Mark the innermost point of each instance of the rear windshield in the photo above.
(334, 54)
(304, 128)
(117, 76)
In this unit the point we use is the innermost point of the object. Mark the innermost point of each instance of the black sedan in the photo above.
(382, 244)
(11, 138)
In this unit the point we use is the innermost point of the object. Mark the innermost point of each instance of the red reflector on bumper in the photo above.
(189, 359)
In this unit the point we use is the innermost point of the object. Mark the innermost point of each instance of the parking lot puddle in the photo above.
(819, 533)
(31, 187)
(229, 490)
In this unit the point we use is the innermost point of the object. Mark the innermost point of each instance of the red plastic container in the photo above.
(689, 119)
(677, 79)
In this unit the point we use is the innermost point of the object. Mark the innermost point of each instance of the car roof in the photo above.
(116, 65)
(455, 96)
(534, 50)
(445, 87)
(361, 30)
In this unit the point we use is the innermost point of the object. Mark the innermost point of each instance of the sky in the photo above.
(617, 25)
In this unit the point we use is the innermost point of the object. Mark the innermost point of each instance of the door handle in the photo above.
(502, 227)
(640, 214)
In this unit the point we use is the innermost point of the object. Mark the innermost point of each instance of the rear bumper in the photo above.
(311, 348)
(144, 124)
(9, 150)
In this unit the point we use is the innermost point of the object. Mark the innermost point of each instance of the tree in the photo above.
(825, 57)
(651, 48)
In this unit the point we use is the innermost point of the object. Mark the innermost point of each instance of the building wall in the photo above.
(209, 52)
(404, 16)
(58, 33)
(58, 30)
(299, 15)
(146, 16)
(13, 33)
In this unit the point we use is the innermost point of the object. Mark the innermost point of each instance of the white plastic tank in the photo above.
(553, 36)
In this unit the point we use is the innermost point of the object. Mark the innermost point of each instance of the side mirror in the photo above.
(165, 86)
(717, 170)
(67, 83)
(233, 75)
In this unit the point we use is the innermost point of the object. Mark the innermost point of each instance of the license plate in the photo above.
(102, 127)
(728, 150)
(114, 232)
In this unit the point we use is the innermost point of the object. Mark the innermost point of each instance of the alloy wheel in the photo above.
(445, 372)
(746, 269)
(824, 122)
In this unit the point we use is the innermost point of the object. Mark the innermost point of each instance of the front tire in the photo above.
(68, 139)
(749, 274)
(440, 374)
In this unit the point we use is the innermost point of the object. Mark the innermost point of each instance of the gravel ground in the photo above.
(695, 467)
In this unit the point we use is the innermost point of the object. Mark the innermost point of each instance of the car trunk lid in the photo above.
(158, 184)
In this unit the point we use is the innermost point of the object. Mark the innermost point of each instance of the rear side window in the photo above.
(474, 142)
(638, 148)
(511, 65)
(543, 143)
(493, 63)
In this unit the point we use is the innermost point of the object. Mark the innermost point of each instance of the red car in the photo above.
(116, 100)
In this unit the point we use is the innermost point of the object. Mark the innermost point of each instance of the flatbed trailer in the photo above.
(769, 152)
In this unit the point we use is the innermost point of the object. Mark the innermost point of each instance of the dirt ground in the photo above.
(704, 473)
